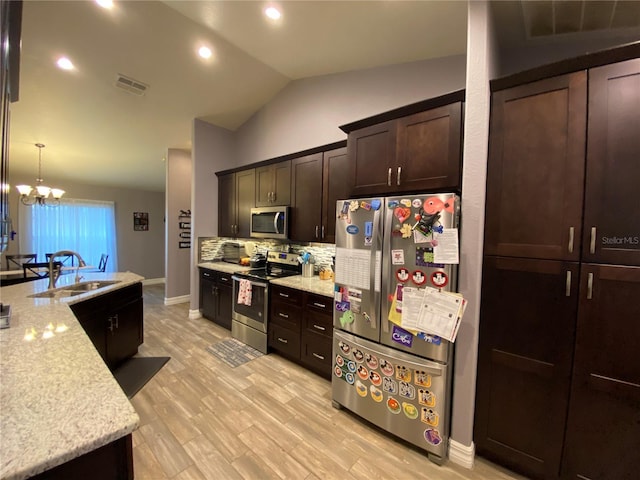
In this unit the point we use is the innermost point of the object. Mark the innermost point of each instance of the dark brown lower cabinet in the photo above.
(527, 331)
(603, 429)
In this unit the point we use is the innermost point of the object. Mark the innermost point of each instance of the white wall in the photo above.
(307, 113)
(141, 252)
(213, 150)
(178, 260)
(480, 63)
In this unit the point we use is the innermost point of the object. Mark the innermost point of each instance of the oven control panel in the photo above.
(284, 258)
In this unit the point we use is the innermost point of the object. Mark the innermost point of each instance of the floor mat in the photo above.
(133, 374)
(233, 352)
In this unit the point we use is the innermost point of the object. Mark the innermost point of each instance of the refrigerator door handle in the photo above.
(571, 231)
(592, 247)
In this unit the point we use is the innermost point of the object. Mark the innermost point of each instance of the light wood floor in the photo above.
(267, 419)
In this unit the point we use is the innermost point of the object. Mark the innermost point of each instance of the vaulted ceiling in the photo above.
(97, 133)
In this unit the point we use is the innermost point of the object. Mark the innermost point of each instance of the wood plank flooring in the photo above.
(266, 419)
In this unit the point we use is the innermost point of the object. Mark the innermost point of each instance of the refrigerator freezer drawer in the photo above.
(401, 393)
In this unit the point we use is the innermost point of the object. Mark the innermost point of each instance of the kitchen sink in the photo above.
(74, 289)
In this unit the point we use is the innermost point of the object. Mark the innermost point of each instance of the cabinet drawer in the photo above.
(206, 273)
(318, 302)
(286, 295)
(225, 278)
(286, 315)
(284, 340)
(316, 352)
(318, 322)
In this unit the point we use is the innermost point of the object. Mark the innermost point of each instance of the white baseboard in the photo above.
(193, 314)
(153, 281)
(461, 454)
(176, 300)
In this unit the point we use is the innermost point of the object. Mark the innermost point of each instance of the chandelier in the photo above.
(40, 194)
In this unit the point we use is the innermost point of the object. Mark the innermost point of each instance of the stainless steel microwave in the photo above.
(270, 222)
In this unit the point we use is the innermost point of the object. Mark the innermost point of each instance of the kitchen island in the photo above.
(59, 402)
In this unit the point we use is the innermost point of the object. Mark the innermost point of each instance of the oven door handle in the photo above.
(257, 284)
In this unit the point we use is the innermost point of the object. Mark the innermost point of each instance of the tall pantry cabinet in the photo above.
(558, 390)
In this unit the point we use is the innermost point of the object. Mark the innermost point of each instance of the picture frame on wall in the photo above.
(140, 221)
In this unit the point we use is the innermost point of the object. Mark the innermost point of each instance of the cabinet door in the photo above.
(526, 339)
(282, 183)
(225, 300)
(306, 204)
(227, 205)
(245, 201)
(264, 186)
(124, 329)
(273, 184)
(535, 170)
(429, 150)
(604, 413)
(611, 218)
(208, 303)
(335, 186)
(371, 153)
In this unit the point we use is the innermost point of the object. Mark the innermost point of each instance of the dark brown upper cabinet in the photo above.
(535, 172)
(236, 197)
(420, 151)
(318, 181)
(273, 184)
(612, 217)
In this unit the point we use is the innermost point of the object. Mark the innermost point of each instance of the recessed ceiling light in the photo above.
(204, 52)
(273, 13)
(64, 63)
(108, 4)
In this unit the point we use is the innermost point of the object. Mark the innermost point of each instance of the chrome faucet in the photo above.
(54, 274)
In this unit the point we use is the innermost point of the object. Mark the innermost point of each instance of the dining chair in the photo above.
(67, 260)
(15, 261)
(39, 269)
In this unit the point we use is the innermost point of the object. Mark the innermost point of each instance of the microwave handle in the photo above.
(275, 222)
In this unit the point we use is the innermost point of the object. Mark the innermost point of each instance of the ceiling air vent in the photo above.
(130, 85)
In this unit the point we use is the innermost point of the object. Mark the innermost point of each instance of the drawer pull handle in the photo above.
(321, 305)
(283, 315)
(319, 327)
(318, 356)
(284, 295)
(283, 340)
(589, 286)
(389, 177)
(592, 245)
(567, 292)
(399, 173)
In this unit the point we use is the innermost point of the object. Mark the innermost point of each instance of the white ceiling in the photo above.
(97, 134)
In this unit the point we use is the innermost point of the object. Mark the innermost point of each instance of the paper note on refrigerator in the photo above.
(353, 268)
(440, 313)
(446, 250)
(411, 304)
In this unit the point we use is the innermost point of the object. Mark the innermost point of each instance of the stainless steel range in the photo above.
(251, 298)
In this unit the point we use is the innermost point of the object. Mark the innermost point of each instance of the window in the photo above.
(84, 226)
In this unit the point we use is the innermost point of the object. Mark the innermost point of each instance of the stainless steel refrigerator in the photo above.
(397, 378)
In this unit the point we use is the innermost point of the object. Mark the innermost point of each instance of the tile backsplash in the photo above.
(210, 249)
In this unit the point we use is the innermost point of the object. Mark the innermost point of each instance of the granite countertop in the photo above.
(58, 399)
(308, 284)
(224, 267)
